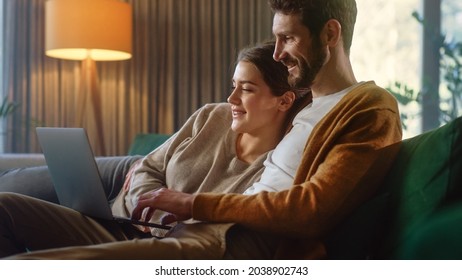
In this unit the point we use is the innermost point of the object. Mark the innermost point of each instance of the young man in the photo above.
(341, 164)
(333, 152)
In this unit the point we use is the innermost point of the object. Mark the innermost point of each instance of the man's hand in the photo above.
(177, 203)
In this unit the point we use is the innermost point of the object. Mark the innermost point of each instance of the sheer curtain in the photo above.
(183, 55)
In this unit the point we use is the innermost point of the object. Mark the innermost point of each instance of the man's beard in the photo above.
(308, 70)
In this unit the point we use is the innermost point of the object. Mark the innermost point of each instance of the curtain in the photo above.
(183, 56)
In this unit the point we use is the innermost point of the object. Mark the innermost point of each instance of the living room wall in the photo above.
(183, 54)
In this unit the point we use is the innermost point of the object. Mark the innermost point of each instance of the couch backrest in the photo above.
(143, 144)
(425, 177)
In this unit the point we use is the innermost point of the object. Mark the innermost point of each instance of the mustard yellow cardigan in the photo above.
(342, 166)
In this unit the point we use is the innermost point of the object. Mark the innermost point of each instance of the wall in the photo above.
(183, 56)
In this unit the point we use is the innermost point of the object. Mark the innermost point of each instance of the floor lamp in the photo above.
(89, 30)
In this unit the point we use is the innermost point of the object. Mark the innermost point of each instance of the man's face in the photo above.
(301, 53)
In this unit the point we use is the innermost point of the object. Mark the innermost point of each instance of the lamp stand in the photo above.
(91, 93)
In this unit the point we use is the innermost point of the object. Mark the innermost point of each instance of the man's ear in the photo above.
(332, 33)
(286, 101)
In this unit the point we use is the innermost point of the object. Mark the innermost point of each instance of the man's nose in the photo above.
(278, 52)
(276, 55)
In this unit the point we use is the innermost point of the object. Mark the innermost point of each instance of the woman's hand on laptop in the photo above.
(179, 204)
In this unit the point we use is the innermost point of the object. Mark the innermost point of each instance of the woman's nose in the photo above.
(232, 98)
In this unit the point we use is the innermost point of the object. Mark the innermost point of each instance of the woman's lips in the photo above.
(237, 113)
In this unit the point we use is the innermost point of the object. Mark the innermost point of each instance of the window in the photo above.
(387, 48)
(2, 90)
(451, 14)
(451, 88)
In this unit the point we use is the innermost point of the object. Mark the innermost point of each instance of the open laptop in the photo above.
(75, 174)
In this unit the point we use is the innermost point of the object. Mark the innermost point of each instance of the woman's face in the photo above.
(254, 107)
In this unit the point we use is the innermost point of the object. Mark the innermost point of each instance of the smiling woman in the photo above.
(232, 137)
(255, 110)
(220, 149)
(260, 100)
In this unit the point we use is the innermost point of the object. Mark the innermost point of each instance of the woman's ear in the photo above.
(286, 101)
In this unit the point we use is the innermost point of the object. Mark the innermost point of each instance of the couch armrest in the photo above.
(12, 161)
(36, 181)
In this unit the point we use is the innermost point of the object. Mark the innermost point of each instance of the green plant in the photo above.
(6, 107)
(451, 63)
(450, 93)
(405, 96)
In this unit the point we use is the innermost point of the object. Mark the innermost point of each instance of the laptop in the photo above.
(75, 174)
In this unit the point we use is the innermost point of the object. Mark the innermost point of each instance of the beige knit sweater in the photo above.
(200, 157)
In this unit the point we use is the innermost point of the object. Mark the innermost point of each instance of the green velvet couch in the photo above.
(417, 213)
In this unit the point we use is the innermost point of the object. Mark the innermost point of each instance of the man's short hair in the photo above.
(314, 14)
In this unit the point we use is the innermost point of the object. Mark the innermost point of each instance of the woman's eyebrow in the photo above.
(245, 82)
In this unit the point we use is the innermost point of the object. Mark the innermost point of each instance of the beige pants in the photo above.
(50, 231)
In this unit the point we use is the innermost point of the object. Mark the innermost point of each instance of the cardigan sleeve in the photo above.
(330, 183)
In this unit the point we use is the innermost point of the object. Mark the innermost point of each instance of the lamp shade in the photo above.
(96, 29)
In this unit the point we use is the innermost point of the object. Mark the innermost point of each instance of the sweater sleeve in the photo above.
(151, 172)
(331, 181)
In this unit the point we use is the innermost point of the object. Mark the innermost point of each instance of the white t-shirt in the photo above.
(282, 163)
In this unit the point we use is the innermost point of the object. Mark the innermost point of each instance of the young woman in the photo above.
(221, 148)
